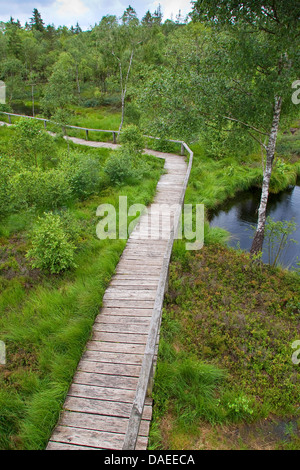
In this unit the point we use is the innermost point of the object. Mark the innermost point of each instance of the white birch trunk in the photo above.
(258, 239)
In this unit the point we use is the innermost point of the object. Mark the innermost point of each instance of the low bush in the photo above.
(83, 174)
(118, 167)
(52, 250)
(39, 189)
(132, 139)
(33, 144)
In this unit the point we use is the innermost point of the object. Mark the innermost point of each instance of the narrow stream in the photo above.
(239, 215)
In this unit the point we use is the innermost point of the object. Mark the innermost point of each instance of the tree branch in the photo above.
(245, 124)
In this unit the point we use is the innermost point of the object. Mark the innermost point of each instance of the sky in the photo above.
(88, 12)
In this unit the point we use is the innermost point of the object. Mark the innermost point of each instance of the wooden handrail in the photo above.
(146, 373)
(86, 129)
(148, 359)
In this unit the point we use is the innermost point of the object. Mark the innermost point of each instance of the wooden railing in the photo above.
(147, 370)
(86, 129)
(146, 374)
(63, 126)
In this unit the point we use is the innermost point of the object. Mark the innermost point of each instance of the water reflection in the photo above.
(240, 214)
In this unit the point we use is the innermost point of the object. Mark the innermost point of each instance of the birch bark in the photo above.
(258, 239)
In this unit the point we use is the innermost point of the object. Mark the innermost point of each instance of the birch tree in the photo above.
(125, 40)
(270, 31)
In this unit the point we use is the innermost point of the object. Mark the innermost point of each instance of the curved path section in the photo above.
(99, 402)
(105, 407)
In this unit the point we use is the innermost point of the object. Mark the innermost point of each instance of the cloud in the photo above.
(86, 12)
(70, 7)
(171, 8)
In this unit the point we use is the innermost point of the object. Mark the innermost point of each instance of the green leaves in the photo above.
(52, 250)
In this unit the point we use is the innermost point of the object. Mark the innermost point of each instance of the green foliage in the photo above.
(277, 238)
(132, 139)
(60, 88)
(7, 169)
(119, 167)
(83, 174)
(239, 408)
(224, 312)
(51, 315)
(39, 189)
(191, 386)
(52, 250)
(32, 141)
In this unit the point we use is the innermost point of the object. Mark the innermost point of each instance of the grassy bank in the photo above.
(213, 181)
(225, 357)
(46, 319)
(225, 378)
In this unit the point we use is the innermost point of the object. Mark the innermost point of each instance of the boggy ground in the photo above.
(227, 315)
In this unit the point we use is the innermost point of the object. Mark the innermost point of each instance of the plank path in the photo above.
(99, 401)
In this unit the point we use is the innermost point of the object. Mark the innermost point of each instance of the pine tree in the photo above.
(36, 21)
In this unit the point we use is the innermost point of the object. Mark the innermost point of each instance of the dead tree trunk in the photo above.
(258, 239)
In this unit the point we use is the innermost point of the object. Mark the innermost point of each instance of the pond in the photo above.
(22, 108)
(239, 215)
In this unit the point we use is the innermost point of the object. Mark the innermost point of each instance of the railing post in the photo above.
(114, 138)
(9, 118)
(45, 124)
(182, 150)
(86, 134)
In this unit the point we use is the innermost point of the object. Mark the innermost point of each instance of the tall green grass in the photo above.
(46, 321)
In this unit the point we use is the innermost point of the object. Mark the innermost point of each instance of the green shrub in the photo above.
(33, 144)
(39, 189)
(240, 408)
(52, 250)
(8, 167)
(83, 174)
(132, 139)
(119, 167)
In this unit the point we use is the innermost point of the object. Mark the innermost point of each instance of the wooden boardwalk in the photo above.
(100, 399)
(99, 402)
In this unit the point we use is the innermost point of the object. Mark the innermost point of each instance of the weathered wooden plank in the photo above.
(103, 407)
(114, 357)
(143, 304)
(89, 438)
(142, 260)
(103, 346)
(131, 267)
(118, 293)
(109, 368)
(120, 320)
(121, 328)
(104, 380)
(154, 246)
(119, 337)
(101, 393)
(138, 247)
(154, 277)
(100, 422)
(133, 284)
(122, 311)
(63, 446)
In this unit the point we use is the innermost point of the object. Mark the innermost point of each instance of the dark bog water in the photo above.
(240, 214)
(21, 108)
